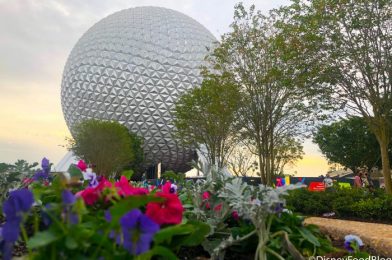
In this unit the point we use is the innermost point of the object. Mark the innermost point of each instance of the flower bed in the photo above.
(81, 215)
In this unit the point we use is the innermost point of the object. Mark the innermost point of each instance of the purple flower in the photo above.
(352, 243)
(45, 165)
(173, 188)
(138, 231)
(11, 229)
(108, 216)
(6, 249)
(18, 202)
(68, 197)
(45, 216)
(41, 175)
(73, 218)
(91, 177)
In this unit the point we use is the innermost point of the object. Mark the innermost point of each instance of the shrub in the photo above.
(346, 203)
(107, 145)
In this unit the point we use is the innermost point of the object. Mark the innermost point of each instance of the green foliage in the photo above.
(91, 235)
(189, 234)
(350, 143)
(346, 203)
(277, 103)
(176, 177)
(258, 223)
(205, 116)
(348, 43)
(11, 176)
(107, 145)
(307, 239)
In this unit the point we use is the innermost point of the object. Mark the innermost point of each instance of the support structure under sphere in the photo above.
(131, 67)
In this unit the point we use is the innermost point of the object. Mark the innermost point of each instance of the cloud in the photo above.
(36, 39)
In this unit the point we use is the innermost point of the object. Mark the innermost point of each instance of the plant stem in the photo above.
(36, 222)
(272, 252)
(25, 238)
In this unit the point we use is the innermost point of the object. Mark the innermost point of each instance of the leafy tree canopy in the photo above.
(349, 44)
(206, 114)
(107, 145)
(350, 143)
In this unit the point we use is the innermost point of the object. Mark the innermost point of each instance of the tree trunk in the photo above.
(261, 168)
(386, 169)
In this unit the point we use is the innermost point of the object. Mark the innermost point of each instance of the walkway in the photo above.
(377, 236)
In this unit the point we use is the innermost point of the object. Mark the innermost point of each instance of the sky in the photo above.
(36, 37)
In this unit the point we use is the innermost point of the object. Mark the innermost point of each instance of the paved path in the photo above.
(377, 236)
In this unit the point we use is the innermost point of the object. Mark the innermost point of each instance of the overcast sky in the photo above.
(36, 37)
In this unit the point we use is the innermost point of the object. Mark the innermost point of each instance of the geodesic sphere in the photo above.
(131, 67)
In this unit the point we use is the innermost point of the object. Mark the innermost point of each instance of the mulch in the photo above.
(376, 237)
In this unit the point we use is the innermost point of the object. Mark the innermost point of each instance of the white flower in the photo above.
(88, 174)
(91, 177)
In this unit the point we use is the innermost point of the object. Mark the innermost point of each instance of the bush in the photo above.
(107, 145)
(346, 203)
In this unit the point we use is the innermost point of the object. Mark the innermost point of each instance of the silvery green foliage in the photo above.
(253, 202)
(195, 190)
(256, 203)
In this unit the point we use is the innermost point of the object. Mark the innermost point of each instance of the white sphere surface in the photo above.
(131, 67)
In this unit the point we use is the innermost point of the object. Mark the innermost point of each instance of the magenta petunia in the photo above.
(167, 212)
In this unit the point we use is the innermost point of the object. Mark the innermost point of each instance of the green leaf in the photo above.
(308, 236)
(189, 234)
(70, 243)
(166, 234)
(129, 203)
(201, 230)
(210, 245)
(127, 174)
(43, 238)
(74, 171)
(158, 251)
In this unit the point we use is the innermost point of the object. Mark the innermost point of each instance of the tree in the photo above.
(242, 162)
(287, 152)
(12, 176)
(23, 166)
(354, 40)
(107, 145)
(205, 116)
(276, 101)
(350, 143)
(4, 167)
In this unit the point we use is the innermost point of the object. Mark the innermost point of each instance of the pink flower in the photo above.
(103, 183)
(169, 188)
(235, 215)
(167, 212)
(206, 195)
(82, 165)
(166, 187)
(125, 189)
(218, 207)
(89, 195)
(27, 181)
